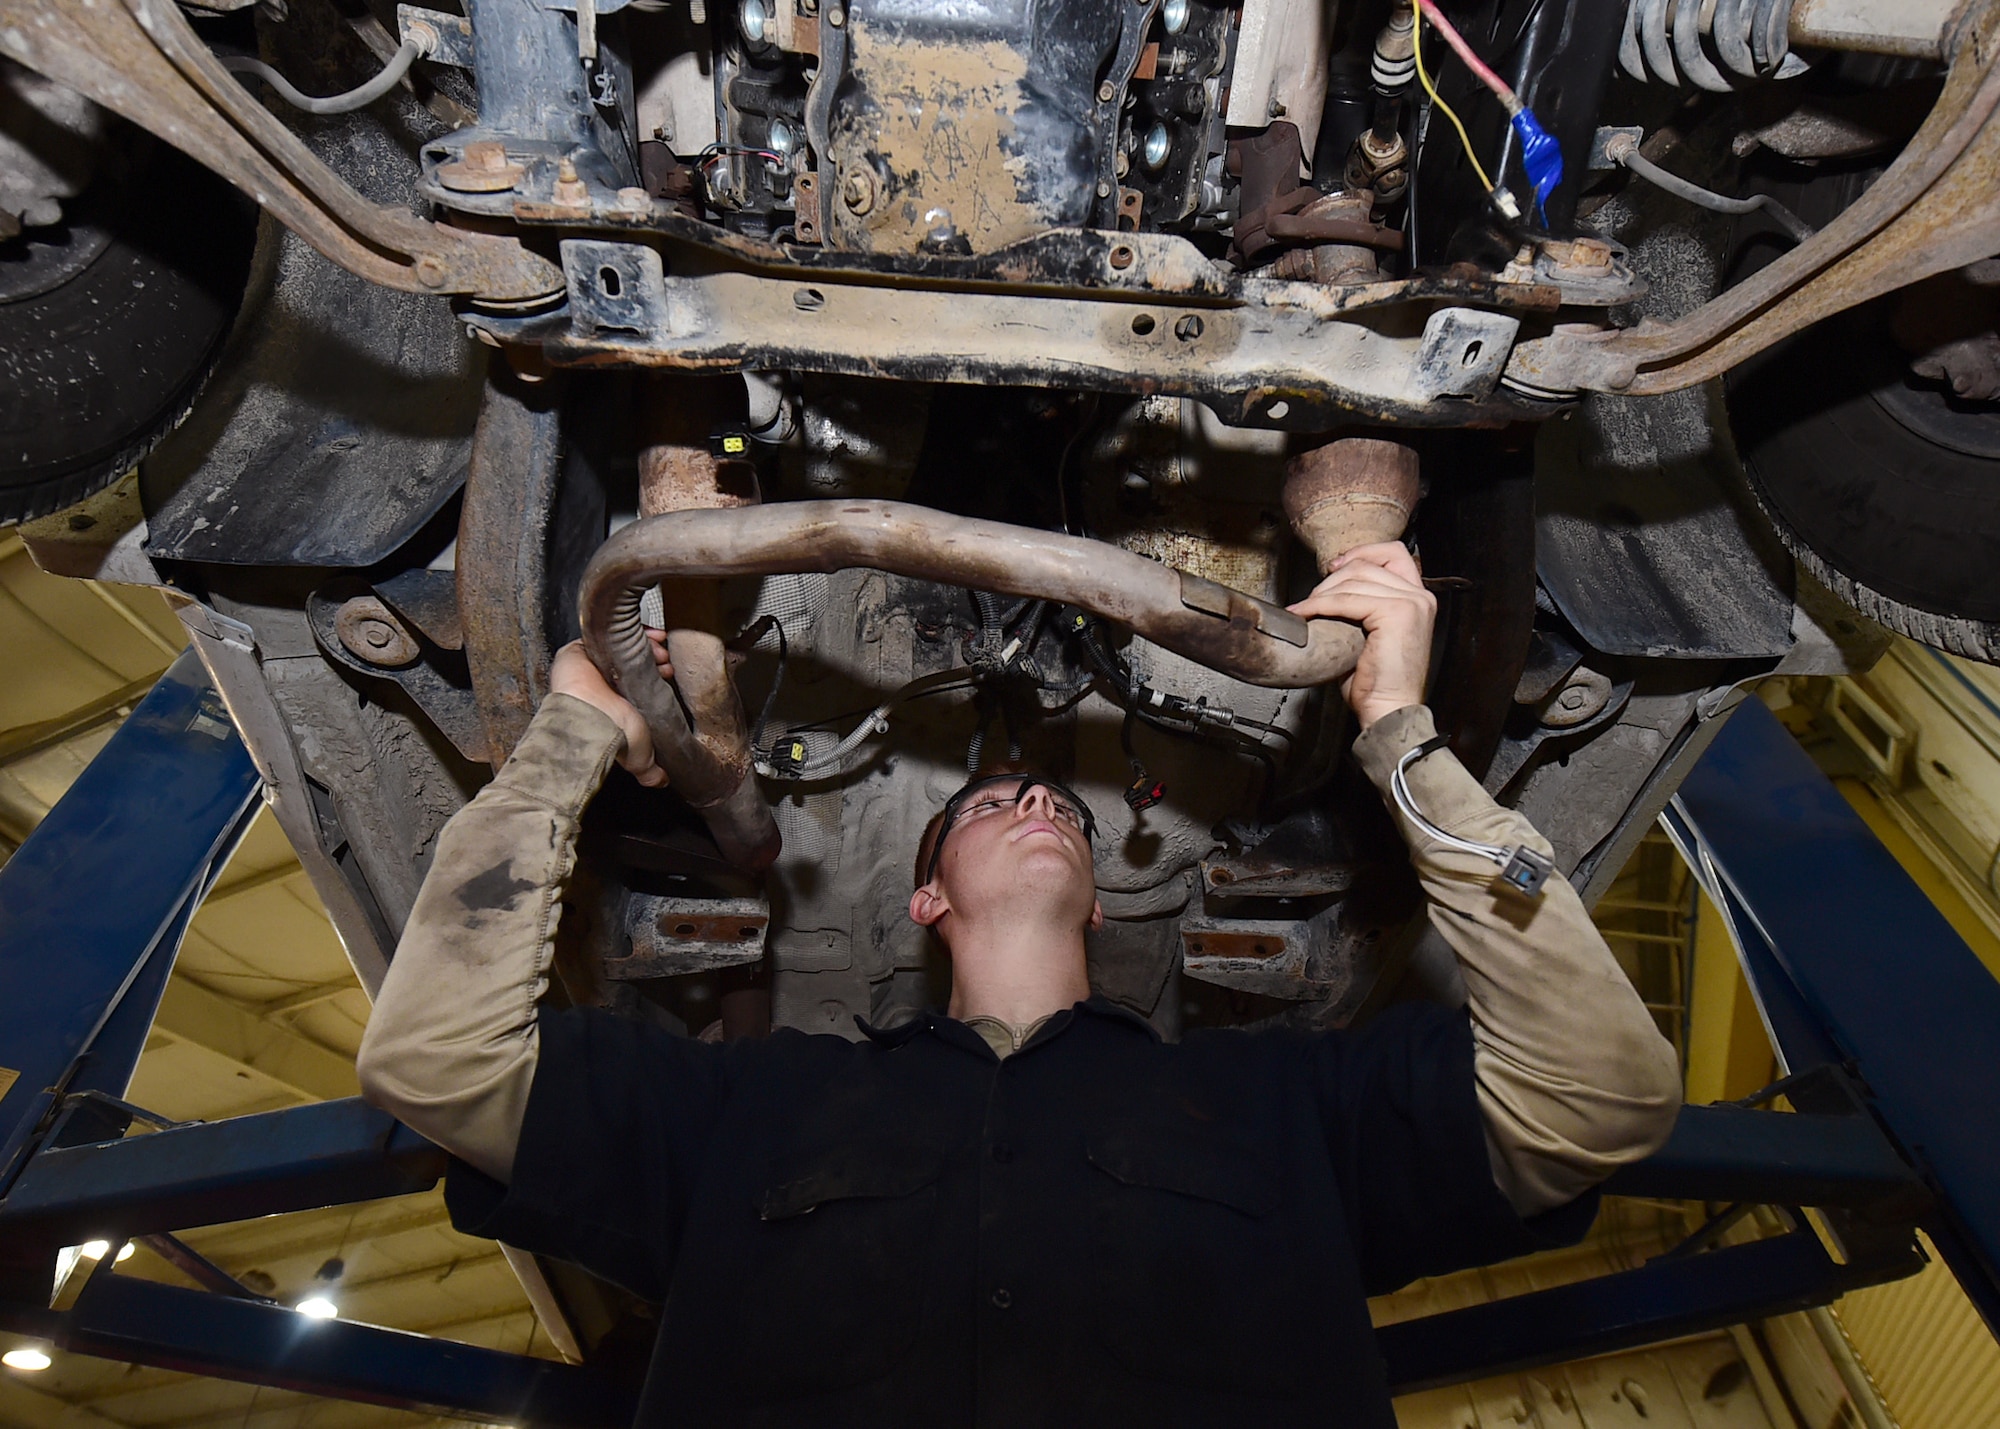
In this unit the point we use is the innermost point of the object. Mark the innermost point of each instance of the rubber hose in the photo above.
(357, 98)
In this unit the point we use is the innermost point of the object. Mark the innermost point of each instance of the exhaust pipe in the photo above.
(699, 733)
(700, 743)
(1226, 630)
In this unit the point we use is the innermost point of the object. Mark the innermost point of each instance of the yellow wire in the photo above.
(1417, 52)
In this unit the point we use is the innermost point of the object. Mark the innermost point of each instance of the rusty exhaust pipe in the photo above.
(1224, 629)
(699, 733)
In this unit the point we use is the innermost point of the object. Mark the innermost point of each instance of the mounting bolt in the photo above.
(571, 191)
(857, 191)
(1106, 92)
(369, 631)
(482, 167)
(430, 271)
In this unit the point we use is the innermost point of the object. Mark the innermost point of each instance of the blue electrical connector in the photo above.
(1541, 157)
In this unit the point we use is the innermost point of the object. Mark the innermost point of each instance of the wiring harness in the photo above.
(1521, 868)
(1541, 155)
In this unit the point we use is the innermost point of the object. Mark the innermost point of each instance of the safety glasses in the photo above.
(983, 798)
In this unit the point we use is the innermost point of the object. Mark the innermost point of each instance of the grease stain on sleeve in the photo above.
(495, 890)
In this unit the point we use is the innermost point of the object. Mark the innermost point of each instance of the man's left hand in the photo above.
(1380, 589)
(573, 674)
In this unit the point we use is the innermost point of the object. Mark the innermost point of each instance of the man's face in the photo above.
(1010, 852)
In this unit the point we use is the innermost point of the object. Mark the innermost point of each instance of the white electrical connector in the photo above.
(1521, 868)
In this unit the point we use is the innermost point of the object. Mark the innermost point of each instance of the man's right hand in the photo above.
(1379, 588)
(573, 674)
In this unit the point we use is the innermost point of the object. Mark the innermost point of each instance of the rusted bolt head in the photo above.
(1575, 697)
(430, 271)
(570, 189)
(1591, 253)
(857, 191)
(481, 167)
(370, 631)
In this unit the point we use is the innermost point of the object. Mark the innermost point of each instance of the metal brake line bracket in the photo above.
(141, 59)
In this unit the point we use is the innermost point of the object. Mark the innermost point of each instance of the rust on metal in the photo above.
(674, 936)
(481, 168)
(1349, 491)
(1250, 877)
(1937, 207)
(927, 544)
(1213, 944)
(142, 59)
(370, 631)
(510, 485)
(703, 741)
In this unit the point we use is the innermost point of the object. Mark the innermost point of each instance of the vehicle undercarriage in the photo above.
(971, 383)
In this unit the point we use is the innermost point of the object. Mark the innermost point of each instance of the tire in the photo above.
(1885, 488)
(110, 322)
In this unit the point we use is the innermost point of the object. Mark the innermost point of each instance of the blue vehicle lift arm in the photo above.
(1852, 966)
(93, 908)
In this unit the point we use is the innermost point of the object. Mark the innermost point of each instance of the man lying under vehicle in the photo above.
(1028, 1209)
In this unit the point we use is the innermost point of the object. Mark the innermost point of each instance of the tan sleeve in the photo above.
(1573, 1078)
(451, 1044)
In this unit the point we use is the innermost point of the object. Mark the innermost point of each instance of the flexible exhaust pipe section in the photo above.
(700, 736)
(1226, 630)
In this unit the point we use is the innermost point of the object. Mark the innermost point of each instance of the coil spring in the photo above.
(1663, 41)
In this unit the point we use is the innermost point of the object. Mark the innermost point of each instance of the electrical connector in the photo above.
(1145, 792)
(1541, 156)
(1521, 869)
(1526, 872)
(787, 757)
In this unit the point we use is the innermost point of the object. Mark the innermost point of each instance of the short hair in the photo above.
(936, 824)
